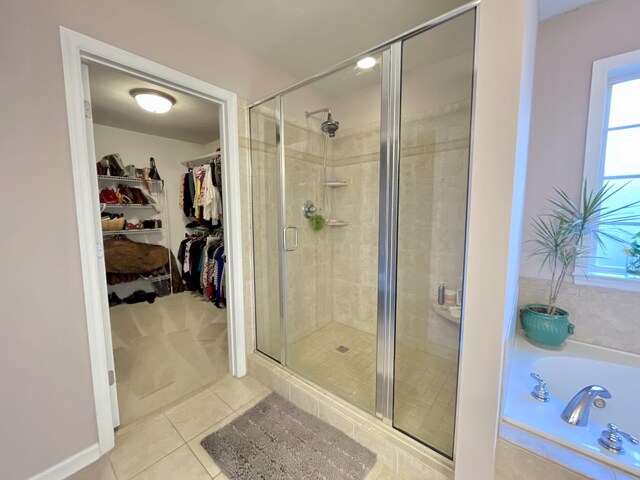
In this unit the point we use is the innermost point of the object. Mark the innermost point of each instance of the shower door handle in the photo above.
(295, 238)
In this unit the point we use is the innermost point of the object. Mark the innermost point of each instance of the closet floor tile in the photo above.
(165, 351)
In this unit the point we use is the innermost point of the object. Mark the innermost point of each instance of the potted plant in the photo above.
(633, 255)
(559, 239)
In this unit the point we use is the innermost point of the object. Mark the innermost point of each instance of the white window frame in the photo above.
(604, 73)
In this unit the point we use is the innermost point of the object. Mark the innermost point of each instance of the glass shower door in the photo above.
(265, 192)
(331, 138)
(437, 80)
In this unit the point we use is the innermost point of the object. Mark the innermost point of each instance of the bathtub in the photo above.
(567, 371)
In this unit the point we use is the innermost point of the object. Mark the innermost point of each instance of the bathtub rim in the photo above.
(562, 451)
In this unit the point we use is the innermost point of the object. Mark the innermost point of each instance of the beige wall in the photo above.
(44, 358)
(566, 49)
(502, 104)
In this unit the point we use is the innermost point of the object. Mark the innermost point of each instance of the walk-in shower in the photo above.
(353, 306)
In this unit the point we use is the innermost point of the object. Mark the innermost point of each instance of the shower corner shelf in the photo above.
(335, 184)
(335, 223)
(444, 313)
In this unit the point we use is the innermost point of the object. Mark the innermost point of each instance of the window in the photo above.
(612, 156)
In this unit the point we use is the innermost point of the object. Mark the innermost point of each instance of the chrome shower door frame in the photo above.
(282, 220)
(388, 229)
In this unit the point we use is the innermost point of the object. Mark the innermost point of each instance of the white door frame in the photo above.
(75, 48)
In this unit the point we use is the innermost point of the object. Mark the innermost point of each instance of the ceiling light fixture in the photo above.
(152, 100)
(366, 63)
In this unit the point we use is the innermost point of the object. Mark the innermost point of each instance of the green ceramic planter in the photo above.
(548, 330)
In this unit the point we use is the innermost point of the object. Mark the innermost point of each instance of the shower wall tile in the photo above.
(333, 274)
(602, 316)
(434, 154)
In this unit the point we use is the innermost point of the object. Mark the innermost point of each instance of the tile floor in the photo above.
(166, 350)
(425, 384)
(166, 445)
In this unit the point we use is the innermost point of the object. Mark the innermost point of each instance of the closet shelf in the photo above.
(131, 232)
(198, 162)
(158, 278)
(125, 179)
(126, 205)
(335, 184)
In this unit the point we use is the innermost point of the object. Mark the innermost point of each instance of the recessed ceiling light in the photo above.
(366, 63)
(152, 100)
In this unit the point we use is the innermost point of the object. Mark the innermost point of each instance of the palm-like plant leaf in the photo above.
(560, 235)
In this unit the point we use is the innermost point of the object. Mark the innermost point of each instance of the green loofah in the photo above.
(317, 222)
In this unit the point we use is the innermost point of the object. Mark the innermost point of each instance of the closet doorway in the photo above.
(78, 49)
(159, 178)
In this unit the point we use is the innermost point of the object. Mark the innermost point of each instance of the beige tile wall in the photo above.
(602, 316)
(516, 463)
(433, 196)
(333, 274)
(354, 248)
(308, 267)
(433, 181)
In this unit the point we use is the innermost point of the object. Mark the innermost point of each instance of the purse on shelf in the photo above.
(113, 224)
(153, 172)
(114, 163)
(152, 178)
(124, 194)
(138, 197)
(108, 196)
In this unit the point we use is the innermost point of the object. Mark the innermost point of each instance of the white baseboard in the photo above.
(70, 465)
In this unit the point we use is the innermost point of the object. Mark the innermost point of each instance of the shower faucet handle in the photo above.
(540, 392)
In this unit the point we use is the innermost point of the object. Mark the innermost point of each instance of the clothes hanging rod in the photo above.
(205, 159)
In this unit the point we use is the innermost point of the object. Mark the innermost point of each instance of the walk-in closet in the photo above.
(158, 167)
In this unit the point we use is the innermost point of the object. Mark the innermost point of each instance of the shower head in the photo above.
(329, 126)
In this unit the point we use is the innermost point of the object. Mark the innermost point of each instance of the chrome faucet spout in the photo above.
(577, 410)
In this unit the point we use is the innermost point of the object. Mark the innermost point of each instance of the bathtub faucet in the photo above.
(577, 410)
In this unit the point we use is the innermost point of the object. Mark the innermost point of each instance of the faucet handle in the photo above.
(625, 435)
(540, 391)
(611, 439)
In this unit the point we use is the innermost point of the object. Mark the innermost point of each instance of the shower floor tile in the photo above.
(425, 383)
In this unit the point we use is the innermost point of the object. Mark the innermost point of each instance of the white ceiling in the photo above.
(299, 37)
(304, 37)
(192, 119)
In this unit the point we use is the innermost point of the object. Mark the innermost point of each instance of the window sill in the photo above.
(607, 280)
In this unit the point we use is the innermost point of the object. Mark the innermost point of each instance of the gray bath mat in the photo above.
(277, 440)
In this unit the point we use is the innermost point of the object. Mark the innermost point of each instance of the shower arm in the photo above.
(308, 114)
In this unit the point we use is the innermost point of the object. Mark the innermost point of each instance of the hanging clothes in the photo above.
(202, 264)
(186, 198)
(201, 192)
(212, 204)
